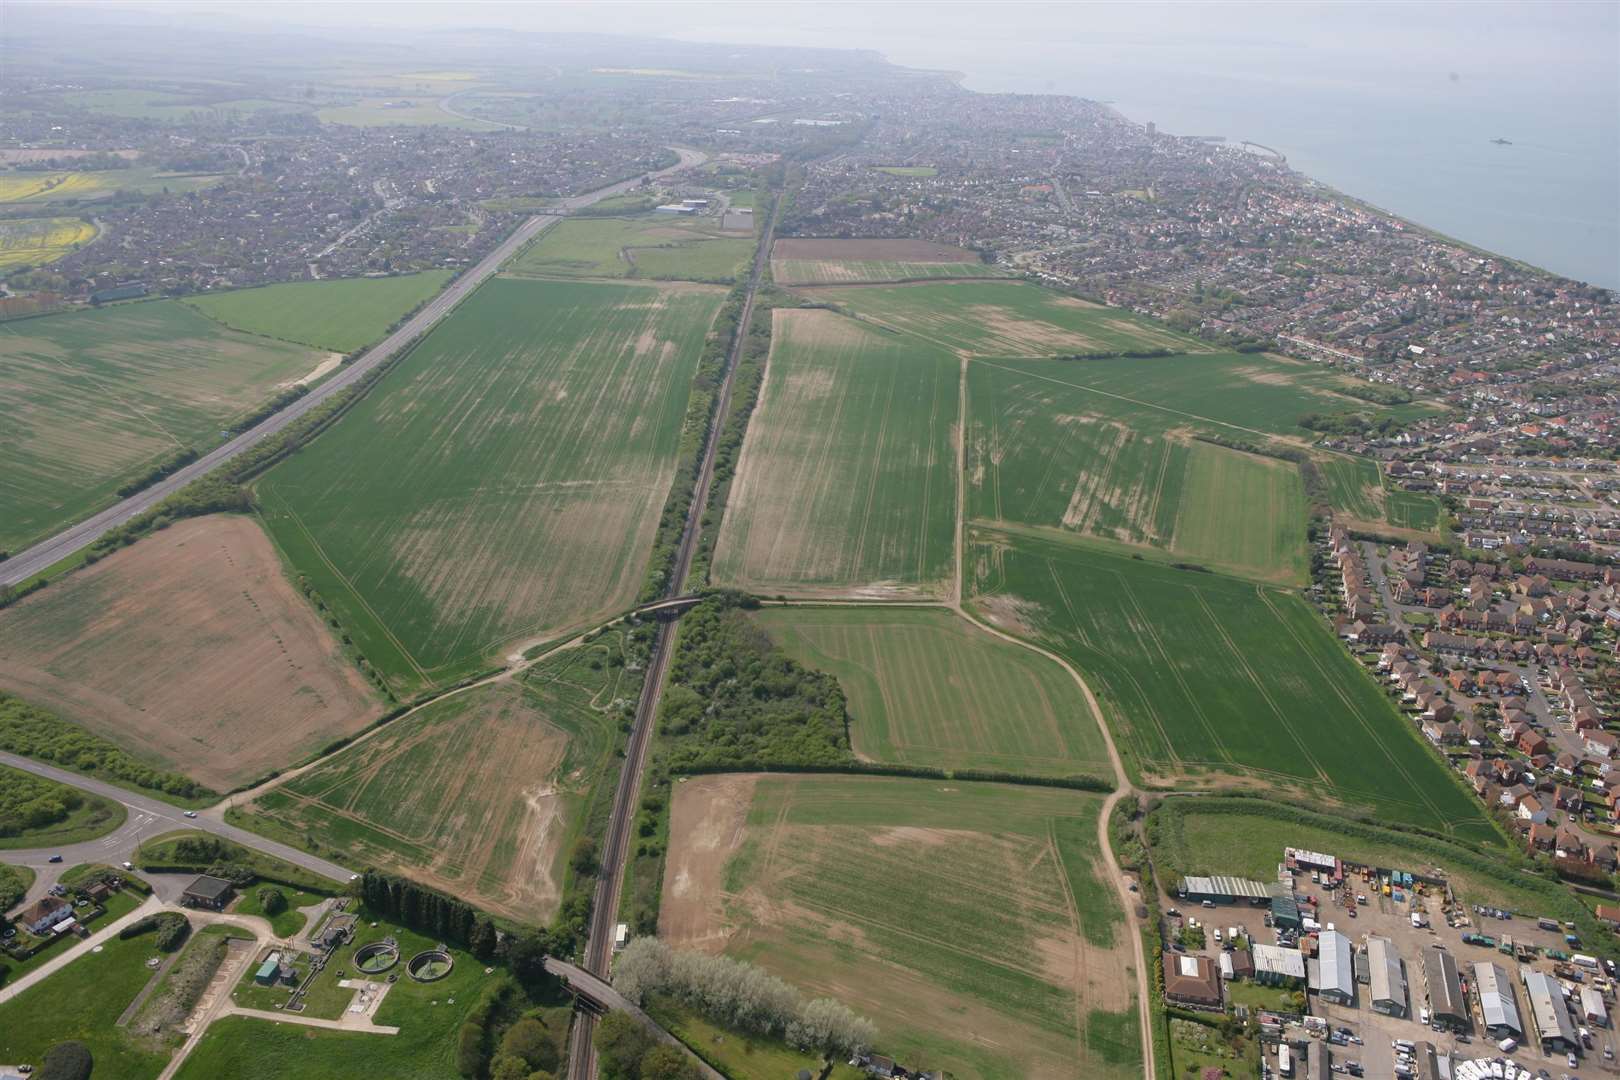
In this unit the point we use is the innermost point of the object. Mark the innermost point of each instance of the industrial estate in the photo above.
(527, 557)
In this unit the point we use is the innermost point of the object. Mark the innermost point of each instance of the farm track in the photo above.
(605, 908)
(74, 539)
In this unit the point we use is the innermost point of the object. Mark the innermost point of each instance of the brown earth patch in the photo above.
(191, 650)
(892, 250)
(706, 826)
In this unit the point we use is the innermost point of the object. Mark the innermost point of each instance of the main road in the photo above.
(605, 909)
(46, 553)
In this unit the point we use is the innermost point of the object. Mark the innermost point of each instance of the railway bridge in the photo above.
(598, 996)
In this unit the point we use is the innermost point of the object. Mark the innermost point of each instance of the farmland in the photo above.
(46, 187)
(341, 315)
(1004, 319)
(176, 649)
(33, 242)
(504, 480)
(644, 246)
(1209, 680)
(846, 484)
(479, 793)
(1047, 447)
(992, 912)
(927, 687)
(1357, 491)
(797, 261)
(409, 110)
(98, 397)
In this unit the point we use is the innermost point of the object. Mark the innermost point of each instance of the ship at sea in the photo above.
(1501, 141)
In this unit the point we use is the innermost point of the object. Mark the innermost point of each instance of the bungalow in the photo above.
(1191, 979)
(1567, 763)
(1472, 731)
(1568, 798)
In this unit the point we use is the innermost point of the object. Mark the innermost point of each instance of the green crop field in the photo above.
(1207, 678)
(141, 104)
(1006, 318)
(857, 271)
(95, 398)
(847, 479)
(406, 109)
(908, 170)
(478, 794)
(927, 687)
(1412, 510)
(1049, 447)
(83, 1001)
(649, 246)
(993, 911)
(1353, 486)
(503, 481)
(341, 315)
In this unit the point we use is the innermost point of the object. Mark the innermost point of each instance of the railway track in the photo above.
(605, 909)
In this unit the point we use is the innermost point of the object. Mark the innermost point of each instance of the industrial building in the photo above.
(1385, 977)
(1549, 1011)
(1446, 1005)
(1497, 1003)
(1593, 1008)
(1275, 965)
(1284, 908)
(1333, 972)
(1222, 889)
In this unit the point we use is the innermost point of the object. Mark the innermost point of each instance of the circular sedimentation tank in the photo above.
(429, 966)
(376, 958)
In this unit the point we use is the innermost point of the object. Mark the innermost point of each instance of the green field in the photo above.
(504, 481)
(908, 170)
(427, 1014)
(1050, 446)
(927, 687)
(138, 104)
(847, 480)
(1411, 510)
(479, 794)
(83, 1001)
(36, 812)
(858, 271)
(341, 315)
(95, 398)
(649, 246)
(992, 911)
(34, 242)
(1355, 489)
(404, 109)
(1006, 318)
(1210, 679)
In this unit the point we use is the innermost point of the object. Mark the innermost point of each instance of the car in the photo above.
(56, 858)
(1572, 1060)
(191, 813)
(1209, 903)
(8, 935)
(1173, 913)
(128, 865)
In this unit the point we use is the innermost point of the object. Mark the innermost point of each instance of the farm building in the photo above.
(1284, 908)
(1385, 980)
(1593, 1008)
(1446, 1004)
(44, 914)
(1300, 859)
(207, 892)
(1333, 972)
(1223, 890)
(1549, 1011)
(1191, 980)
(1496, 1001)
(1277, 966)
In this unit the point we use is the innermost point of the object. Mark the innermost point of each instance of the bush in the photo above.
(32, 732)
(271, 901)
(66, 1061)
(529, 1040)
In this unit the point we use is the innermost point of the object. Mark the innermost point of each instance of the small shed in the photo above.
(208, 892)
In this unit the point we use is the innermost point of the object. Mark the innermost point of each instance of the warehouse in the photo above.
(1284, 908)
(1549, 1011)
(1446, 1005)
(1222, 889)
(1496, 1001)
(1333, 972)
(1275, 965)
(1386, 980)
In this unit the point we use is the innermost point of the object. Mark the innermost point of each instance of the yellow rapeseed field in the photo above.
(37, 241)
(19, 187)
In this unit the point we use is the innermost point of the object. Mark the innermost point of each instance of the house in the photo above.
(44, 914)
(1442, 733)
(1531, 809)
(1191, 980)
(207, 892)
(1608, 915)
(1541, 837)
(1601, 743)
(1532, 743)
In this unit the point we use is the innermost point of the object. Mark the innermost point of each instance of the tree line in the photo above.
(32, 732)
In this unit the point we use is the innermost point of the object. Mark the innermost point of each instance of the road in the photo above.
(147, 818)
(150, 906)
(605, 909)
(26, 564)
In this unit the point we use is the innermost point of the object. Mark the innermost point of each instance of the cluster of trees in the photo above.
(66, 1061)
(172, 929)
(495, 1041)
(1377, 393)
(737, 699)
(31, 802)
(1350, 424)
(627, 1051)
(211, 494)
(739, 995)
(457, 923)
(12, 889)
(169, 465)
(700, 406)
(1120, 354)
(32, 732)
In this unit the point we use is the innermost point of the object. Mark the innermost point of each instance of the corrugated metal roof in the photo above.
(1445, 992)
(1338, 965)
(1384, 971)
(1223, 885)
(1496, 998)
(1547, 1006)
(1276, 960)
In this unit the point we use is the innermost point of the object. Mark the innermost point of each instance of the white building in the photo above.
(1386, 979)
(1333, 972)
(1496, 1001)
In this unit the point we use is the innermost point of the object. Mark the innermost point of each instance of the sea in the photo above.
(1396, 103)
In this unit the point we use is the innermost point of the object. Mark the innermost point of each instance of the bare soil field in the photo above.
(191, 650)
(812, 250)
(708, 815)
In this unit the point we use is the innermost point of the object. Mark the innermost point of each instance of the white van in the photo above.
(1507, 1046)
